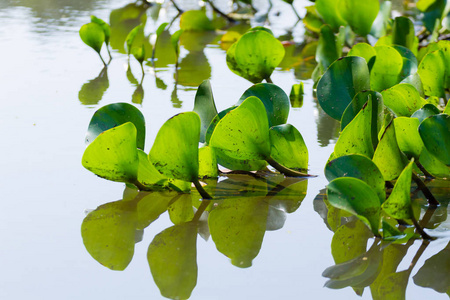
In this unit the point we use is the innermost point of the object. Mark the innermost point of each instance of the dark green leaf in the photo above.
(205, 107)
(408, 137)
(435, 133)
(403, 33)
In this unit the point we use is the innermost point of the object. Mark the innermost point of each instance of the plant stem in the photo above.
(287, 171)
(420, 230)
(176, 6)
(140, 186)
(201, 190)
(423, 170)
(431, 200)
(102, 59)
(109, 53)
(269, 80)
(295, 11)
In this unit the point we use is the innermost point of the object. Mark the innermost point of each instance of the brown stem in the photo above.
(176, 6)
(287, 171)
(201, 210)
(229, 19)
(431, 199)
(420, 230)
(201, 190)
(423, 170)
(269, 80)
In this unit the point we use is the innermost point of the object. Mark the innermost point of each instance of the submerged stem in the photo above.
(201, 190)
(287, 171)
(420, 230)
(431, 199)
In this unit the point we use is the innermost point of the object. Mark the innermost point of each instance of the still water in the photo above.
(51, 84)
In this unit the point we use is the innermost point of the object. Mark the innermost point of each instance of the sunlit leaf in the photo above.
(205, 107)
(356, 197)
(131, 37)
(356, 138)
(340, 83)
(244, 132)
(105, 26)
(363, 50)
(109, 234)
(388, 157)
(386, 71)
(403, 99)
(207, 163)
(237, 228)
(175, 150)
(312, 20)
(274, 99)
(113, 154)
(432, 71)
(288, 147)
(403, 33)
(172, 256)
(360, 167)
(115, 114)
(359, 14)
(329, 10)
(93, 35)
(398, 205)
(435, 133)
(408, 137)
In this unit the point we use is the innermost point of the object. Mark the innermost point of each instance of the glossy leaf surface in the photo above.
(92, 35)
(403, 99)
(113, 154)
(205, 107)
(288, 147)
(386, 70)
(358, 198)
(340, 83)
(115, 114)
(408, 138)
(175, 150)
(435, 133)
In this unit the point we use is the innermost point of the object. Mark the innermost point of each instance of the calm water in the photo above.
(45, 190)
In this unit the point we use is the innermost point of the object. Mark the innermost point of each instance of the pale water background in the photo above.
(45, 190)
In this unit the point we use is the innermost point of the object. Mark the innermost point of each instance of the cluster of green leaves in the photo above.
(386, 124)
(244, 137)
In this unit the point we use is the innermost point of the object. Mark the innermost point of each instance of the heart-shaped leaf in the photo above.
(329, 10)
(387, 68)
(359, 14)
(288, 147)
(340, 83)
(408, 137)
(403, 99)
(175, 150)
(274, 99)
(93, 35)
(435, 133)
(115, 114)
(113, 154)
(358, 198)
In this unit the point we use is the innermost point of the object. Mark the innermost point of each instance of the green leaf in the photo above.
(207, 163)
(388, 157)
(113, 154)
(377, 112)
(131, 37)
(386, 71)
(296, 95)
(175, 41)
(340, 83)
(433, 165)
(394, 285)
(237, 228)
(148, 175)
(244, 132)
(139, 53)
(357, 166)
(274, 99)
(363, 50)
(152, 205)
(435, 272)
(435, 133)
(358, 198)
(312, 20)
(115, 114)
(426, 111)
(205, 107)
(330, 12)
(109, 234)
(175, 150)
(105, 26)
(172, 256)
(398, 205)
(432, 70)
(92, 91)
(327, 51)
(359, 14)
(195, 20)
(93, 35)
(382, 21)
(356, 138)
(408, 138)
(255, 55)
(288, 147)
(403, 33)
(403, 99)
(161, 28)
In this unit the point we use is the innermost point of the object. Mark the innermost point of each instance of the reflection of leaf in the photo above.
(92, 91)
(181, 211)
(435, 273)
(237, 228)
(108, 234)
(194, 68)
(172, 256)
(138, 95)
(152, 205)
